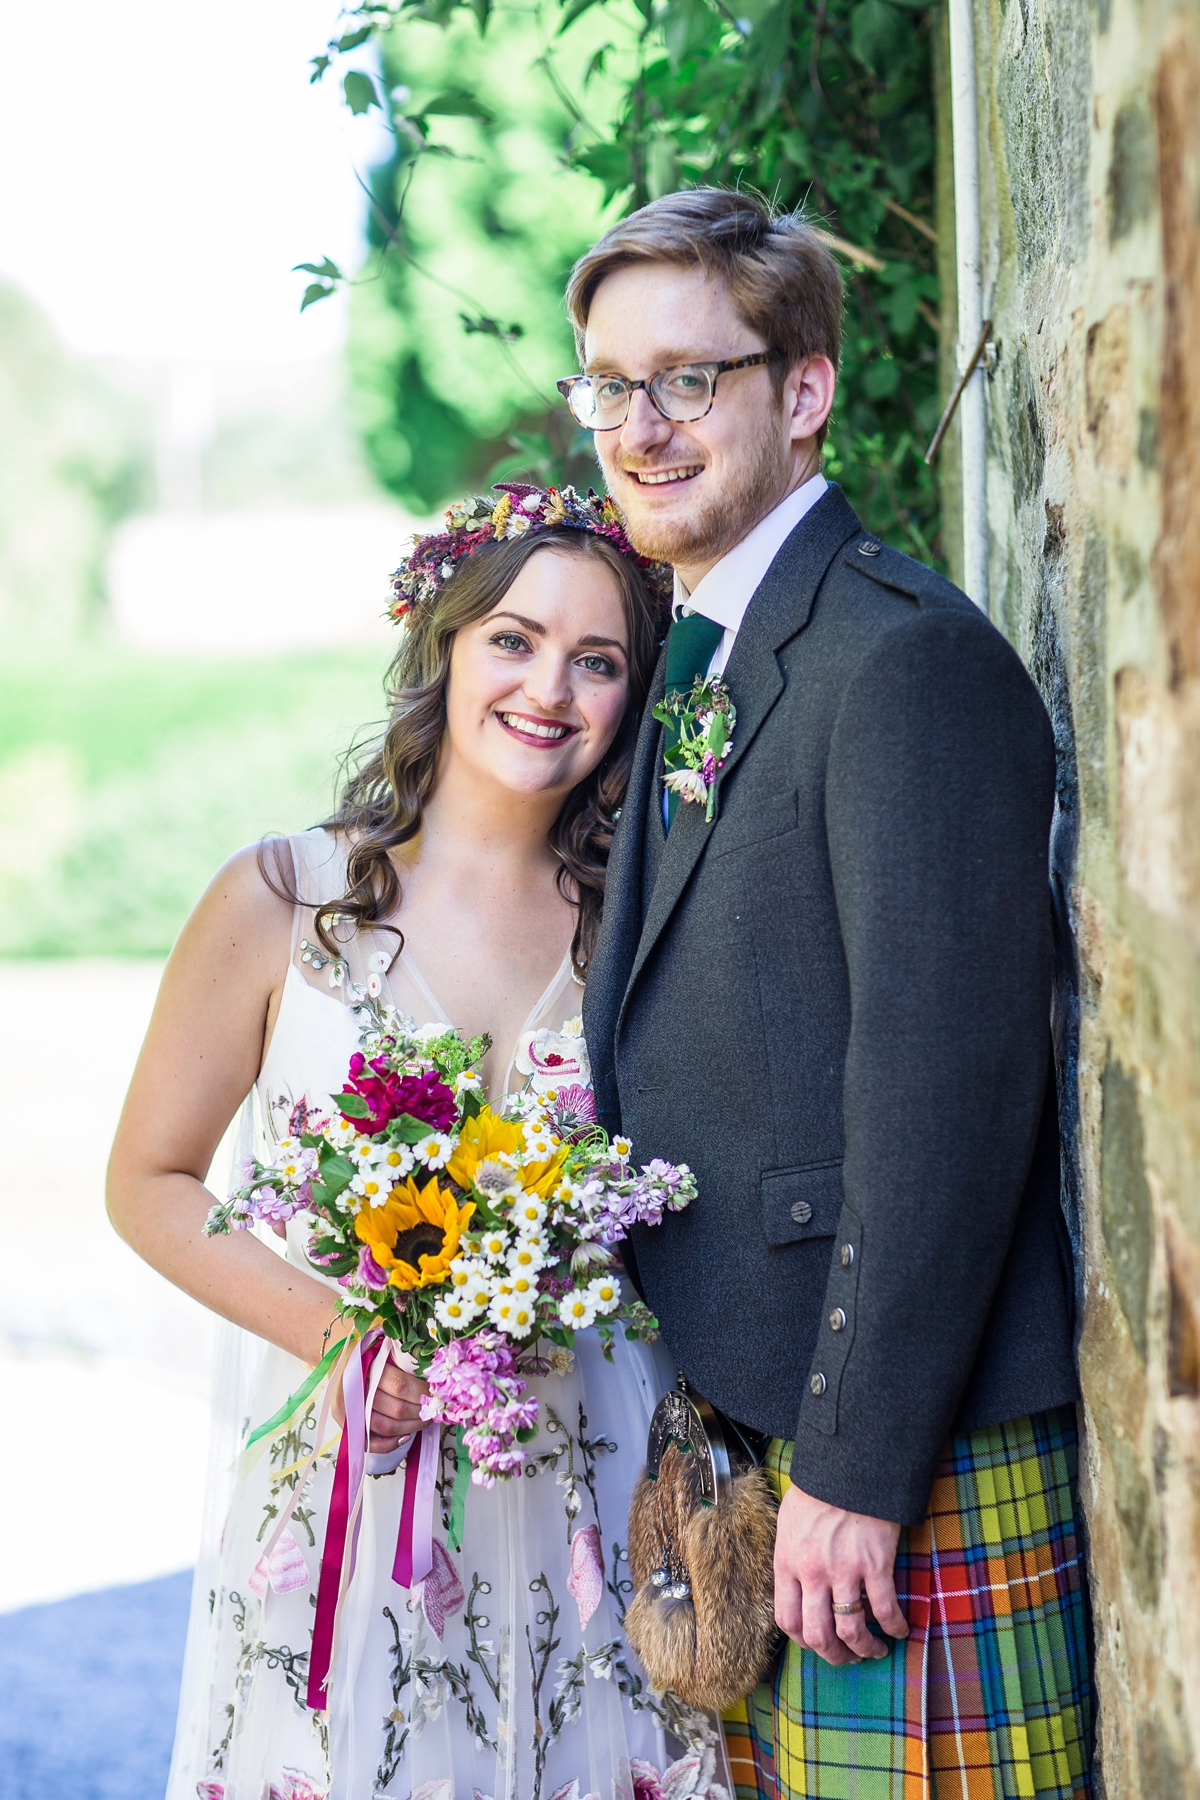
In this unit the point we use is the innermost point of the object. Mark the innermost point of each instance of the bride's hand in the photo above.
(396, 1412)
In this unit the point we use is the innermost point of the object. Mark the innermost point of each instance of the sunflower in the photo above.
(481, 1138)
(414, 1234)
(487, 1135)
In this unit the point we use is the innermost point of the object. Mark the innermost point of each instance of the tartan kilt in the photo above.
(990, 1695)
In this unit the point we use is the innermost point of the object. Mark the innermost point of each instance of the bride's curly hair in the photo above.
(383, 801)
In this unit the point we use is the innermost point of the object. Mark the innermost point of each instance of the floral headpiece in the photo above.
(520, 511)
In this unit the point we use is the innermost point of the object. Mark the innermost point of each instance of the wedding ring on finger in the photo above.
(844, 1607)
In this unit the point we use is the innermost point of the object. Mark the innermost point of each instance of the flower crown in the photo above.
(520, 511)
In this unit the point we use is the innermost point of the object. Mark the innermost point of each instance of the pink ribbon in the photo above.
(414, 1540)
(336, 1568)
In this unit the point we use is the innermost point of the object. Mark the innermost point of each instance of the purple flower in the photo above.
(708, 767)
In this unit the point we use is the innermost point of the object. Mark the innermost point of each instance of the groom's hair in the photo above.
(781, 278)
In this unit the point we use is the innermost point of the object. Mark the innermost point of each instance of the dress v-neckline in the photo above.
(409, 963)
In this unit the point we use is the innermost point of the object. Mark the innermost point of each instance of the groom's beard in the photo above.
(719, 523)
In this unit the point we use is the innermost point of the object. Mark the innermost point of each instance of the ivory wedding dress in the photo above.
(515, 1699)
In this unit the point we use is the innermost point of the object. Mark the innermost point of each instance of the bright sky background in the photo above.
(164, 164)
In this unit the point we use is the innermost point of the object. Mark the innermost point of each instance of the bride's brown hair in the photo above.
(384, 799)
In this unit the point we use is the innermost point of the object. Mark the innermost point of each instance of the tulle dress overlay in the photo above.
(488, 1688)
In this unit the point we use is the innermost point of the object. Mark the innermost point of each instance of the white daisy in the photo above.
(453, 1313)
(539, 1145)
(362, 1153)
(523, 1286)
(577, 1309)
(511, 1314)
(606, 1293)
(622, 1147)
(527, 1212)
(495, 1245)
(398, 1161)
(536, 1237)
(467, 1083)
(435, 1150)
(371, 1186)
(526, 1257)
(480, 1289)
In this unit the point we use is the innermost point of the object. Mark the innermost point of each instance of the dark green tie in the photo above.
(691, 642)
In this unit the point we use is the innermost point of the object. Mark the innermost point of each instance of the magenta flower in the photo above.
(369, 1271)
(425, 1097)
(574, 1112)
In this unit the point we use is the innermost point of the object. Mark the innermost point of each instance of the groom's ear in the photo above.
(808, 391)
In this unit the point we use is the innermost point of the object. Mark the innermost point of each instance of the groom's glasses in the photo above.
(682, 394)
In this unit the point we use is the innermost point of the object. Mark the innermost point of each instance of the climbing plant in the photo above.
(521, 130)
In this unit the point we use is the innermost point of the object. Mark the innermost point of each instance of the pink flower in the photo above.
(647, 1783)
(425, 1097)
(574, 1112)
(369, 1271)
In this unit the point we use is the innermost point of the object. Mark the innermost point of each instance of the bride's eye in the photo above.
(598, 665)
(509, 640)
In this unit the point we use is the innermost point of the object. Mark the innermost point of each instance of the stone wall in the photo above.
(1090, 140)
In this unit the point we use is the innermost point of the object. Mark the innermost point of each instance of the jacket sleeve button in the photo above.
(816, 1385)
(847, 1255)
(837, 1319)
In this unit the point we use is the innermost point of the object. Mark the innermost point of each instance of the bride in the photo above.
(461, 880)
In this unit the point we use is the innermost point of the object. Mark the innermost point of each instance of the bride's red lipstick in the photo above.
(553, 731)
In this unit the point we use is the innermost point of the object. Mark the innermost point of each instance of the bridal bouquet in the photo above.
(478, 1239)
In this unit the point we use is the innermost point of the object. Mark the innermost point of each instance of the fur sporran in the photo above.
(701, 1550)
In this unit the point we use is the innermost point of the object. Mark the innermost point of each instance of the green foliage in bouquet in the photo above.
(826, 104)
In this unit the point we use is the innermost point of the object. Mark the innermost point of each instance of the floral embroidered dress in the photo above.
(506, 1677)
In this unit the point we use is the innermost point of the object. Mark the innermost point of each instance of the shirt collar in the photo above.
(727, 590)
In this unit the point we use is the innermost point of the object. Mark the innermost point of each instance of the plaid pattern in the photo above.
(989, 1697)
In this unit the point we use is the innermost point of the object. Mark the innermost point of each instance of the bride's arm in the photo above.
(219, 996)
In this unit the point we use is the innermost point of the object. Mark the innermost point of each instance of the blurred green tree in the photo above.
(520, 131)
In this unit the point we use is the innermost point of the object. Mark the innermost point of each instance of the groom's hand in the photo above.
(823, 1557)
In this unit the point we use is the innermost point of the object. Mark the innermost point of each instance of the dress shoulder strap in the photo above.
(318, 876)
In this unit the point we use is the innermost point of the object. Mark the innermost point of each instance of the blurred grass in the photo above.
(127, 779)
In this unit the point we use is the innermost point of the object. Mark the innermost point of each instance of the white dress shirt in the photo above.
(727, 590)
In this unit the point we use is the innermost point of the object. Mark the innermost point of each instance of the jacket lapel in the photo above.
(608, 973)
(781, 607)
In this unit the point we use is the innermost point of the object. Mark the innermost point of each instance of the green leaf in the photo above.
(406, 1130)
(482, 10)
(527, 1434)
(327, 270)
(457, 103)
(352, 1105)
(314, 292)
(319, 66)
(359, 90)
(352, 39)
(575, 10)
(881, 379)
(337, 1172)
(610, 164)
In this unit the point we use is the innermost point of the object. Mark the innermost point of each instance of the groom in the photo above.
(832, 1000)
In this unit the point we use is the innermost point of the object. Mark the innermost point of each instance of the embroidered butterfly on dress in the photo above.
(705, 717)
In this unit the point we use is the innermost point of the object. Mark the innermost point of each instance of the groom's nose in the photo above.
(645, 429)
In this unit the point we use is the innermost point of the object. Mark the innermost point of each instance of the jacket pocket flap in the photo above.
(770, 819)
(802, 1203)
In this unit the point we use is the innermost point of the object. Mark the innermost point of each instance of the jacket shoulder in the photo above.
(878, 563)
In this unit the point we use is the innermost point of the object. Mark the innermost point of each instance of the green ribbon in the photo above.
(458, 1497)
(295, 1401)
